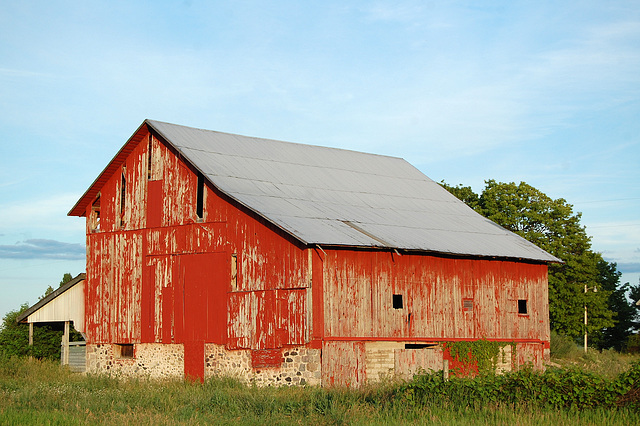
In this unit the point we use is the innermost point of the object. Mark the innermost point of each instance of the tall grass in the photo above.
(40, 392)
(566, 353)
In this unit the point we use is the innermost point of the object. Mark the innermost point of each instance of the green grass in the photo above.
(565, 353)
(40, 392)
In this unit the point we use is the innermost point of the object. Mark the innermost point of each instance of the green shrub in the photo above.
(552, 389)
(564, 346)
(633, 344)
(14, 337)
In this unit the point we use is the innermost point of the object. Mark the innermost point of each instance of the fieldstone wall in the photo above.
(154, 360)
(298, 366)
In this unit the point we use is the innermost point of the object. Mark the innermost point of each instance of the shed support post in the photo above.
(30, 334)
(445, 369)
(65, 344)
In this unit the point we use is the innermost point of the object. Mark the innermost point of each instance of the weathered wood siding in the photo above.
(359, 288)
(158, 273)
(69, 306)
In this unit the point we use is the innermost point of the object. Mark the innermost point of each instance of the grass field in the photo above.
(40, 392)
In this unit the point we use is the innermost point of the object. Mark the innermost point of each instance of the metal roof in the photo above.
(336, 197)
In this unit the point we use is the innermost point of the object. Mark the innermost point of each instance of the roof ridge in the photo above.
(301, 144)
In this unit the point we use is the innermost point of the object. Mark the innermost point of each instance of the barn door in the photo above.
(205, 290)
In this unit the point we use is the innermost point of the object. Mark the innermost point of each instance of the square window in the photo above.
(124, 351)
(522, 307)
(397, 301)
(467, 305)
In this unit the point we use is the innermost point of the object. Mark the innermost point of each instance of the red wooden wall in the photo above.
(158, 273)
(359, 288)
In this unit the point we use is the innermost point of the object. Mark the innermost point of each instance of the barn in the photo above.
(211, 253)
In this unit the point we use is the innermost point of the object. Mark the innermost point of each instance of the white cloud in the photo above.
(43, 249)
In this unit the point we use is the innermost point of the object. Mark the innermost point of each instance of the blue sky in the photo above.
(542, 92)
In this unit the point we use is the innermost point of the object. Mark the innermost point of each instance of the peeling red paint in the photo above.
(266, 358)
(159, 274)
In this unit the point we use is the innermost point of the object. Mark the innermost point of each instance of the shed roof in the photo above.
(337, 197)
(62, 304)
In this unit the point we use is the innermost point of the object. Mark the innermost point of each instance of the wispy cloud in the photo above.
(629, 268)
(38, 214)
(43, 249)
(19, 73)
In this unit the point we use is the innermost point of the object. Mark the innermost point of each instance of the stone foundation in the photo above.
(345, 363)
(296, 366)
(151, 360)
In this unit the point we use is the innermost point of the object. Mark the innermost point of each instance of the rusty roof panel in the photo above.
(331, 196)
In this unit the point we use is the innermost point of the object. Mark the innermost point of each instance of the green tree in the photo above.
(65, 279)
(634, 298)
(14, 337)
(624, 311)
(553, 226)
(466, 194)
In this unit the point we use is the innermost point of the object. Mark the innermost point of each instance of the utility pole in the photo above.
(595, 290)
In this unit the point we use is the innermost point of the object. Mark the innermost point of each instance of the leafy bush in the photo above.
(555, 388)
(14, 337)
(564, 346)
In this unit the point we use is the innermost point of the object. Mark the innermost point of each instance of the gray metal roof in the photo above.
(336, 197)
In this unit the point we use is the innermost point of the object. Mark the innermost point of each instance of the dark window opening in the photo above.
(200, 196)
(123, 191)
(234, 272)
(522, 307)
(149, 149)
(95, 212)
(418, 345)
(467, 305)
(125, 350)
(397, 301)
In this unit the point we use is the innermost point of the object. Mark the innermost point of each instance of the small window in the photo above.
(467, 305)
(95, 214)
(522, 307)
(397, 301)
(234, 272)
(123, 198)
(124, 351)
(149, 157)
(418, 345)
(200, 196)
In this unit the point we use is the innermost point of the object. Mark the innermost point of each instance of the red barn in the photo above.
(216, 254)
